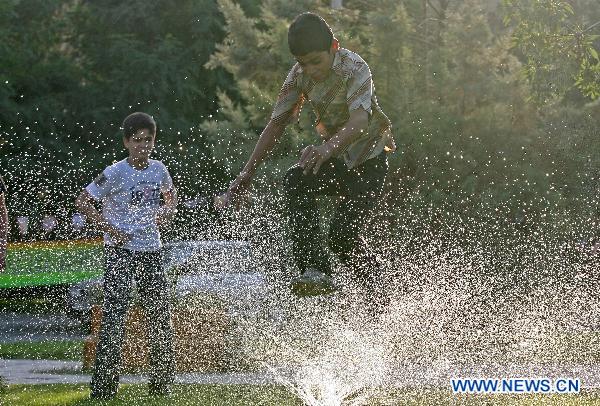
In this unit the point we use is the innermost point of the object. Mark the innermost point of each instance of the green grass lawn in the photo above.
(51, 263)
(214, 395)
(248, 395)
(56, 350)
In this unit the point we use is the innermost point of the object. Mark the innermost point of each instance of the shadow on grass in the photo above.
(69, 350)
(34, 300)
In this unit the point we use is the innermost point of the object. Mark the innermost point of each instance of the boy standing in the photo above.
(130, 192)
(3, 225)
(350, 161)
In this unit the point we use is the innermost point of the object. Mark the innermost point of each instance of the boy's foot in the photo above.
(103, 389)
(312, 283)
(159, 389)
(105, 397)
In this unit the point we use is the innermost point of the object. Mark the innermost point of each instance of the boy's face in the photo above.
(317, 64)
(140, 144)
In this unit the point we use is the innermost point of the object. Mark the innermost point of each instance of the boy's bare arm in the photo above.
(314, 156)
(268, 138)
(85, 205)
(168, 210)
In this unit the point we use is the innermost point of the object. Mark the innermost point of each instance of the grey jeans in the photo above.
(123, 267)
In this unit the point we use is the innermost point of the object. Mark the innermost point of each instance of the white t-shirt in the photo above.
(130, 201)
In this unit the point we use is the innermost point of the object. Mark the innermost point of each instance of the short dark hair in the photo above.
(309, 33)
(138, 121)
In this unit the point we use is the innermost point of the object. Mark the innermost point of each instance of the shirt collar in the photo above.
(336, 66)
(337, 63)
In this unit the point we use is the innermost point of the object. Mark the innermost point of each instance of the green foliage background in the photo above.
(494, 103)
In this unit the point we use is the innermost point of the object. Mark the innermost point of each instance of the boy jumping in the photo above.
(350, 161)
(130, 192)
(3, 225)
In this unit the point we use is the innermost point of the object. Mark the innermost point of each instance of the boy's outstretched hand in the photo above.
(222, 201)
(236, 194)
(314, 156)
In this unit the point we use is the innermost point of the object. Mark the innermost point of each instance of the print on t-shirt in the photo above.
(131, 201)
(145, 194)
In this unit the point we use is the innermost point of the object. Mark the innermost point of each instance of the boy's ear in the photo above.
(335, 44)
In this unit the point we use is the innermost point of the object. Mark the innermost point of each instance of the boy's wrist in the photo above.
(245, 175)
(331, 147)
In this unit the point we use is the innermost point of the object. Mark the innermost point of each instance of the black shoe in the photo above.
(312, 283)
(102, 396)
(155, 389)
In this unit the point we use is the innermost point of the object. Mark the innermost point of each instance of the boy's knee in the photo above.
(293, 179)
(341, 246)
(114, 308)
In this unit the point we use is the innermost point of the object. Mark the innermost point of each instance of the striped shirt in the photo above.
(349, 87)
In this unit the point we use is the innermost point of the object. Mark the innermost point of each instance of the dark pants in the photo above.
(122, 268)
(360, 189)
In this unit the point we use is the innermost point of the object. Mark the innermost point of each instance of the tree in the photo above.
(255, 53)
(557, 45)
(72, 70)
